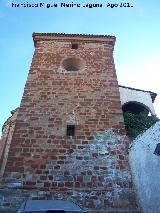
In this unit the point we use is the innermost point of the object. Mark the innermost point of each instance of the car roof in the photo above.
(43, 205)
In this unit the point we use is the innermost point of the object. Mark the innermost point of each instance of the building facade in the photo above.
(68, 139)
(136, 100)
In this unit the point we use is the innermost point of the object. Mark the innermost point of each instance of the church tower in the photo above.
(69, 140)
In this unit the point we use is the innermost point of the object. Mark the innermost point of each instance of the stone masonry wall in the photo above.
(5, 141)
(95, 176)
(91, 167)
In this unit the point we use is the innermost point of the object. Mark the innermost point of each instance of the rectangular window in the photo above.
(70, 130)
(75, 46)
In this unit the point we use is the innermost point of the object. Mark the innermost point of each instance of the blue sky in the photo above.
(137, 49)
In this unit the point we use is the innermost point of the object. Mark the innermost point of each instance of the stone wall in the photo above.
(5, 141)
(90, 167)
(95, 176)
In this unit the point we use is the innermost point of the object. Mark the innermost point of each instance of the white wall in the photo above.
(145, 167)
(127, 95)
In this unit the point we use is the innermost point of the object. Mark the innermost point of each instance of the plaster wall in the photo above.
(145, 169)
(129, 95)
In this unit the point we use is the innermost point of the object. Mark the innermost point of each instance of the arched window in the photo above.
(135, 108)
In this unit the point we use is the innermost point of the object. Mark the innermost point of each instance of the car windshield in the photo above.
(49, 206)
(48, 211)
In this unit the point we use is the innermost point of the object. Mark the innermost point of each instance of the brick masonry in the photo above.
(5, 142)
(91, 167)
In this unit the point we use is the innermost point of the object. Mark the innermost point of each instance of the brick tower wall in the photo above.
(90, 167)
(5, 141)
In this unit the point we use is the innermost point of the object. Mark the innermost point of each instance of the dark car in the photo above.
(49, 206)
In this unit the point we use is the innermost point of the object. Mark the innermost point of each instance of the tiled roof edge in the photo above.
(73, 35)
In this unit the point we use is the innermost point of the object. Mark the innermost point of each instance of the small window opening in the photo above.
(70, 130)
(75, 46)
(73, 64)
(157, 150)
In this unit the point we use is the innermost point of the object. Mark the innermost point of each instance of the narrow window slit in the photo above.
(70, 130)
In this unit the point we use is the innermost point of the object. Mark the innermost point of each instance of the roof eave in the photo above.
(78, 37)
(152, 94)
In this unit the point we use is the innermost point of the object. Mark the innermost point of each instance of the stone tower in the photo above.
(69, 140)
